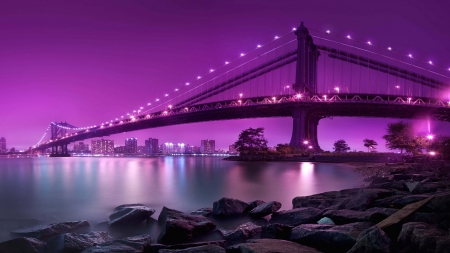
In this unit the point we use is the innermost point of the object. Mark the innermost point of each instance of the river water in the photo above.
(89, 188)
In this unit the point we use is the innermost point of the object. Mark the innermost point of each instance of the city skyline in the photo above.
(85, 56)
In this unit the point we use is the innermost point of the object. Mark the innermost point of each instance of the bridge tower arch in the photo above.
(304, 130)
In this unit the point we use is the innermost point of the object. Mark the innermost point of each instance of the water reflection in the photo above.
(90, 187)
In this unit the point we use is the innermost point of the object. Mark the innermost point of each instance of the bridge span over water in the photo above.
(287, 80)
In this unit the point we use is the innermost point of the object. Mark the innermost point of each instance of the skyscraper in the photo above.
(207, 146)
(131, 145)
(102, 146)
(3, 145)
(151, 146)
(81, 148)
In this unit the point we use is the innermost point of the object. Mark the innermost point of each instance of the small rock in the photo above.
(243, 232)
(265, 209)
(226, 207)
(344, 216)
(44, 232)
(270, 246)
(25, 244)
(372, 240)
(411, 185)
(254, 204)
(326, 221)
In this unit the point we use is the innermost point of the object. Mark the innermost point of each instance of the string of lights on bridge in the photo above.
(152, 105)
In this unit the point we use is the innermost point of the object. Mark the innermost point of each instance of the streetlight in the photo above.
(430, 137)
(336, 89)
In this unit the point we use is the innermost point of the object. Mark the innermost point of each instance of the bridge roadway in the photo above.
(352, 105)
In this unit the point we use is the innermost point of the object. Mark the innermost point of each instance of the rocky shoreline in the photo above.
(338, 221)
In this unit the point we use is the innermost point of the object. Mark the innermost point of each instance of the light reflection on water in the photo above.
(90, 187)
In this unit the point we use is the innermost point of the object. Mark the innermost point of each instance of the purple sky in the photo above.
(86, 62)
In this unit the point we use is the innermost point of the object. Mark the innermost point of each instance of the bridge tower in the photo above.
(304, 131)
(59, 130)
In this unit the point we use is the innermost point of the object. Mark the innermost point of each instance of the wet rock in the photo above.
(156, 248)
(129, 215)
(398, 177)
(44, 232)
(226, 207)
(422, 237)
(29, 245)
(270, 246)
(387, 202)
(254, 204)
(133, 244)
(329, 238)
(406, 200)
(372, 240)
(344, 216)
(205, 211)
(243, 232)
(265, 209)
(179, 227)
(199, 249)
(71, 242)
(411, 185)
(276, 231)
(297, 216)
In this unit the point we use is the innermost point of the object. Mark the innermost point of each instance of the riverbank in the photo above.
(337, 221)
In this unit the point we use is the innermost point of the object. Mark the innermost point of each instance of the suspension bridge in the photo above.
(300, 75)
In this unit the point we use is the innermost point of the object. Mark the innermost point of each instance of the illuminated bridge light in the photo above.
(328, 31)
(389, 48)
(211, 70)
(368, 42)
(199, 77)
(258, 46)
(149, 104)
(430, 62)
(349, 37)
(226, 63)
(242, 54)
(157, 99)
(299, 95)
(176, 89)
(397, 87)
(430, 137)
(166, 95)
(276, 37)
(410, 55)
(294, 29)
(187, 84)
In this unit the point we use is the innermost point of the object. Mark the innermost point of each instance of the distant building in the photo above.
(3, 145)
(119, 150)
(232, 149)
(167, 148)
(131, 145)
(188, 149)
(179, 148)
(151, 146)
(140, 149)
(81, 148)
(102, 146)
(207, 146)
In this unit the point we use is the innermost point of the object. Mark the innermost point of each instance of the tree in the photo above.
(251, 141)
(400, 135)
(370, 144)
(287, 149)
(340, 146)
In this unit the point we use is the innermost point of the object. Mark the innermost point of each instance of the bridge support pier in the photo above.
(304, 129)
(60, 151)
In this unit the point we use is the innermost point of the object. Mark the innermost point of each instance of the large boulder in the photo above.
(205, 211)
(129, 215)
(422, 237)
(211, 248)
(254, 204)
(363, 199)
(276, 231)
(226, 207)
(265, 209)
(133, 244)
(440, 202)
(321, 200)
(72, 242)
(44, 232)
(329, 238)
(344, 216)
(270, 246)
(372, 240)
(427, 187)
(297, 216)
(179, 227)
(28, 245)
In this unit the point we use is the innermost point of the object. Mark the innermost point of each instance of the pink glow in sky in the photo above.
(87, 62)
